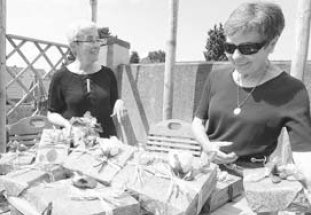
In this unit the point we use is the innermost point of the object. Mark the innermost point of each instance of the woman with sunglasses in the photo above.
(247, 107)
(85, 85)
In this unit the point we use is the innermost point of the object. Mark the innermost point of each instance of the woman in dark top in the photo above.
(84, 85)
(246, 108)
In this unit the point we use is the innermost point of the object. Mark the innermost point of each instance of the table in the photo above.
(239, 207)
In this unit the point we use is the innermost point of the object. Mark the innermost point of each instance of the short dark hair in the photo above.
(264, 17)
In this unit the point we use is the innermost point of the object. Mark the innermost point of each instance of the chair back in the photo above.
(29, 129)
(172, 134)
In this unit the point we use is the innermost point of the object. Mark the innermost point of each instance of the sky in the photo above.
(142, 23)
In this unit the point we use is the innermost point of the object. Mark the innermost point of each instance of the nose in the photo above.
(96, 44)
(236, 54)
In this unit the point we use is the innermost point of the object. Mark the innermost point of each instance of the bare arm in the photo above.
(212, 149)
(58, 119)
(199, 133)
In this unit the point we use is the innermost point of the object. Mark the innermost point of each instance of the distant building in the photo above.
(15, 92)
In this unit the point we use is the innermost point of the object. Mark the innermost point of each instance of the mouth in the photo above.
(95, 52)
(241, 64)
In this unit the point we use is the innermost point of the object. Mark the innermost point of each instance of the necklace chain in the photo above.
(238, 103)
(237, 109)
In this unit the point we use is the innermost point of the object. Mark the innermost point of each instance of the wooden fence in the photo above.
(32, 54)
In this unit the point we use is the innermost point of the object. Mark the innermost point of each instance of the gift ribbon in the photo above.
(139, 169)
(107, 200)
(105, 161)
(102, 160)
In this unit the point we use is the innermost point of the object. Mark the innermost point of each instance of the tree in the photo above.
(215, 44)
(134, 57)
(156, 56)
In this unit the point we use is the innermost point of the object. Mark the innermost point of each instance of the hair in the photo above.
(78, 30)
(264, 17)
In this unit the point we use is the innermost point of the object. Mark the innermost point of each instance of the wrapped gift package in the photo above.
(100, 200)
(160, 193)
(14, 183)
(53, 147)
(265, 196)
(15, 160)
(93, 163)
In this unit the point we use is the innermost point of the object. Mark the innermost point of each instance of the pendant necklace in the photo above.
(238, 109)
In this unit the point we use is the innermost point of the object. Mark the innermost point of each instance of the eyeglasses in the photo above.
(100, 41)
(244, 48)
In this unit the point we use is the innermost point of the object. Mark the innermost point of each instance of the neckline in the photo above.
(84, 75)
(259, 85)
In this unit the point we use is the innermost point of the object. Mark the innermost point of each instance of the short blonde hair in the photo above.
(262, 16)
(79, 29)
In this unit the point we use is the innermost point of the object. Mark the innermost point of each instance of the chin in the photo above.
(243, 69)
(95, 58)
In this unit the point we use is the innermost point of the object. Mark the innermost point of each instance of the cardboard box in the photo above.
(63, 198)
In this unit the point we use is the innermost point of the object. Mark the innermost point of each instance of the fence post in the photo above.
(297, 65)
(94, 10)
(170, 62)
(2, 76)
(302, 39)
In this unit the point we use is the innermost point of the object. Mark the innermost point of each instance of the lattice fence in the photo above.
(30, 64)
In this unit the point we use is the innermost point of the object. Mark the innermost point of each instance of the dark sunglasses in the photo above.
(244, 48)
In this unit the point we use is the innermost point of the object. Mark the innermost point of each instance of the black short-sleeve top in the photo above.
(70, 96)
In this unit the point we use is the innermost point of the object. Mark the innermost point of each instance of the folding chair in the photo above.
(172, 134)
(28, 130)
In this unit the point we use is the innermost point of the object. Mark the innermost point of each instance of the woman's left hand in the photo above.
(119, 110)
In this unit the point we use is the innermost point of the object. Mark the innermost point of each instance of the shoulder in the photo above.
(292, 88)
(60, 73)
(290, 82)
(221, 75)
(106, 71)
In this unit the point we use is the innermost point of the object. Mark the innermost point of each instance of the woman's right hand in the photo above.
(212, 149)
(217, 156)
